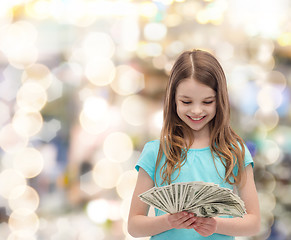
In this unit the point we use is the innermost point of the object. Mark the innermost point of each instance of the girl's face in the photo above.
(196, 105)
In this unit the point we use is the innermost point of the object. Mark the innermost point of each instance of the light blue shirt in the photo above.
(199, 166)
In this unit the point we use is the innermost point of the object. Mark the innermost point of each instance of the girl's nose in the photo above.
(196, 109)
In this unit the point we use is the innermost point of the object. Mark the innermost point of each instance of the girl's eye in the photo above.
(209, 102)
(185, 102)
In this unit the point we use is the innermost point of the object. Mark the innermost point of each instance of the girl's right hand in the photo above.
(181, 220)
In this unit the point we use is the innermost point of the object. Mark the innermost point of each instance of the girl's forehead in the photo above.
(191, 87)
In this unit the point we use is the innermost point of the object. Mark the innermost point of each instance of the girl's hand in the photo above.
(205, 226)
(181, 220)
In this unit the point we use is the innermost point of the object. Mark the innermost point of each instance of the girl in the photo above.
(196, 144)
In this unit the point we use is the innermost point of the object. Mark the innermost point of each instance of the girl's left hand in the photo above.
(205, 226)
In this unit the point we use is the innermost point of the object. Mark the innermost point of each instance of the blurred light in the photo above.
(271, 151)
(97, 210)
(10, 140)
(40, 9)
(126, 33)
(127, 81)
(50, 130)
(106, 173)
(94, 126)
(12, 183)
(269, 119)
(92, 104)
(22, 56)
(155, 31)
(268, 180)
(175, 48)
(23, 222)
(55, 90)
(31, 97)
(94, 116)
(16, 41)
(173, 20)
(126, 184)
(284, 39)
(5, 113)
(111, 8)
(150, 50)
(37, 73)
(134, 110)
(20, 33)
(212, 13)
(269, 98)
(118, 147)
(98, 44)
(79, 13)
(88, 185)
(165, 2)
(28, 199)
(6, 15)
(281, 135)
(100, 72)
(14, 236)
(277, 80)
(124, 209)
(157, 120)
(147, 9)
(159, 62)
(267, 201)
(27, 124)
(225, 51)
(29, 162)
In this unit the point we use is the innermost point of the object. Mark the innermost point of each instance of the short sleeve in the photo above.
(148, 158)
(248, 157)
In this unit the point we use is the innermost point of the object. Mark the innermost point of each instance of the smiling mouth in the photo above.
(196, 119)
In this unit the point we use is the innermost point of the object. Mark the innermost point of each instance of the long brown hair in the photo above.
(224, 142)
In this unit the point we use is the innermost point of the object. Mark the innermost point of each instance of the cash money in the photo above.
(202, 198)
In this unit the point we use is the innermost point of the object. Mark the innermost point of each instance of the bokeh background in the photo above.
(81, 91)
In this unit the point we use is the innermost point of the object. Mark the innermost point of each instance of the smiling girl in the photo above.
(196, 144)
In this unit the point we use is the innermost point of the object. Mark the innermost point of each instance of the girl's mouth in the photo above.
(196, 119)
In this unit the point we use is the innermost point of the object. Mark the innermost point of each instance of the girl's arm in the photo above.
(140, 225)
(250, 223)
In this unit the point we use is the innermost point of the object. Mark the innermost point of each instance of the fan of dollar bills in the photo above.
(203, 199)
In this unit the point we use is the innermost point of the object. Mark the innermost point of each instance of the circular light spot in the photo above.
(134, 110)
(127, 81)
(269, 98)
(10, 140)
(98, 44)
(155, 31)
(28, 199)
(106, 173)
(23, 222)
(271, 151)
(29, 162)
(94, 117)
(269, 119)
(126, 184)
(31, 97)
(22, 57)
(118, 147)
(100, 72)
(5, 113)
(12, 183)
(27, 123)
(38, 73)
(97, 210)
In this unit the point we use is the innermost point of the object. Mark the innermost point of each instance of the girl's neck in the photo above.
(201, 140)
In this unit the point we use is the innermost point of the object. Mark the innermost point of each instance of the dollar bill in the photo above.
(202, 198)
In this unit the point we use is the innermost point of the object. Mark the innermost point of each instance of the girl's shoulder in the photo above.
(152, 145)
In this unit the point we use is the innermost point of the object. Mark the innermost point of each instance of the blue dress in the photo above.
(199, 166)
